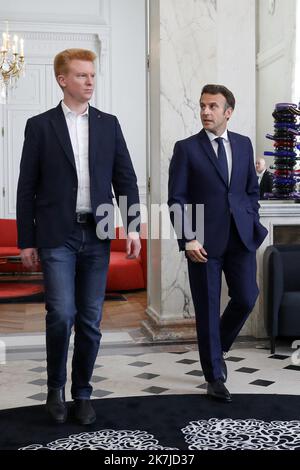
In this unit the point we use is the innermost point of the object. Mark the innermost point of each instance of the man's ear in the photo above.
(228, 113)
(61, 80)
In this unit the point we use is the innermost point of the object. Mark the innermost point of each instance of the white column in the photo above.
(189, 47)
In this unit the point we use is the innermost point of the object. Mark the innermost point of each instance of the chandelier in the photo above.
(11, 62)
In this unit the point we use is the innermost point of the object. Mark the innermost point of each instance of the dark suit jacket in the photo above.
(194, 178)
(266, 184)
(47, 187)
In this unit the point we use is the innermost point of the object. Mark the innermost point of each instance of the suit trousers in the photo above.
(75, 281)
(216, 334)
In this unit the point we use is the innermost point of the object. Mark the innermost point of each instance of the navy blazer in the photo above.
(266, 184)
(194, 178)
(47, 187)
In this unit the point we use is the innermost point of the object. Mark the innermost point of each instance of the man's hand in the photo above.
(195, 252)
(133, 245)
(29, 257)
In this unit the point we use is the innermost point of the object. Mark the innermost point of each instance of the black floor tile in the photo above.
(39, 397)
(146, 376)
(96, 378)
(38, 369)
(197, 373)
(186, 361)
(155, 390)
(178, 352)
(278, 356)
(246, 370)
(140, 364)
(292, 367)
(202, 386)
(39, 382)
(234, 359)
(262, 383)
(101, 393)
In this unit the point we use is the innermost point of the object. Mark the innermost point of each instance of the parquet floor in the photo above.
(30, 317)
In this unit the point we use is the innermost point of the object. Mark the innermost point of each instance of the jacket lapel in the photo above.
(96, 135)
(60, 126)
(235, 157)
(209, 151)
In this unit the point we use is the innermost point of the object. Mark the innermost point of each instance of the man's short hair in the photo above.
(63, 59)
(215, 89)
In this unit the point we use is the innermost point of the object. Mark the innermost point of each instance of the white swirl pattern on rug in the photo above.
(242, 434)
(107, 439)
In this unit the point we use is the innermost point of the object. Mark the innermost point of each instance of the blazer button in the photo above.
(74, 189)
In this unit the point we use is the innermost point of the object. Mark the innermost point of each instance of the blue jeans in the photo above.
(75, 280)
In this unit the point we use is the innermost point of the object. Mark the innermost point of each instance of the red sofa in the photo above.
(8, 247)
(123, 274)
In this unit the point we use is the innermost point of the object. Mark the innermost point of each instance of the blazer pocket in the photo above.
(250, 210)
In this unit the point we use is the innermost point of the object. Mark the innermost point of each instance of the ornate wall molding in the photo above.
(58, 12)
(272, 7)
(269, 56)
(279, 209)
(57, 36)
(43, 41)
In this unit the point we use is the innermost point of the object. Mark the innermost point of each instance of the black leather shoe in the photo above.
(84, 413)
(217, 391)
(223, 369)
(56, 406)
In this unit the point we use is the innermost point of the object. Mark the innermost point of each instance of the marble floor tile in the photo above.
(157, 369)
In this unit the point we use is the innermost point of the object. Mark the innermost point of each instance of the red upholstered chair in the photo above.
(8, 243)
(127, 274)
(8, 247)
(124, 274)
(8, 238)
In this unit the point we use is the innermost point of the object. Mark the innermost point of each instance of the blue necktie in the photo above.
(222, 159)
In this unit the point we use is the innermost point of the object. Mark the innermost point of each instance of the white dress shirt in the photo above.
(78, 126)
(212, 137)
(260, 175)
(194, 244)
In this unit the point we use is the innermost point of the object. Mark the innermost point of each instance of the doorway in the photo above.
(121, 90)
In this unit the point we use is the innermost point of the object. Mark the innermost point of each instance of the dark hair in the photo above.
(215, 89)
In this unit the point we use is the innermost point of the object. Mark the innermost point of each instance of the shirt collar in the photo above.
(212, 136)
(261, 173)
(67, 111)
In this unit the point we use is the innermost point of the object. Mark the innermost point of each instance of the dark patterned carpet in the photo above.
(162, 423)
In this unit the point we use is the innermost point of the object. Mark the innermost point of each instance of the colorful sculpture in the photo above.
(286, 182)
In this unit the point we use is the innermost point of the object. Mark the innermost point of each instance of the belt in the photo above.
(85, 217)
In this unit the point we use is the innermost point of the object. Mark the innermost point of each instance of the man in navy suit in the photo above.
(215, 168)
(72, 156)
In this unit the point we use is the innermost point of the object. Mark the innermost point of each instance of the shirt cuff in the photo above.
(192, 245)
(133, 235)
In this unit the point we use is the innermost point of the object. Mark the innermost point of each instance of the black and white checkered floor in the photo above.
(147, 370)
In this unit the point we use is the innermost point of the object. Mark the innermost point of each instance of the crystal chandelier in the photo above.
(11, 62)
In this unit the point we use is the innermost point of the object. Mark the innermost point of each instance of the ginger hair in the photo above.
(63, 59)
